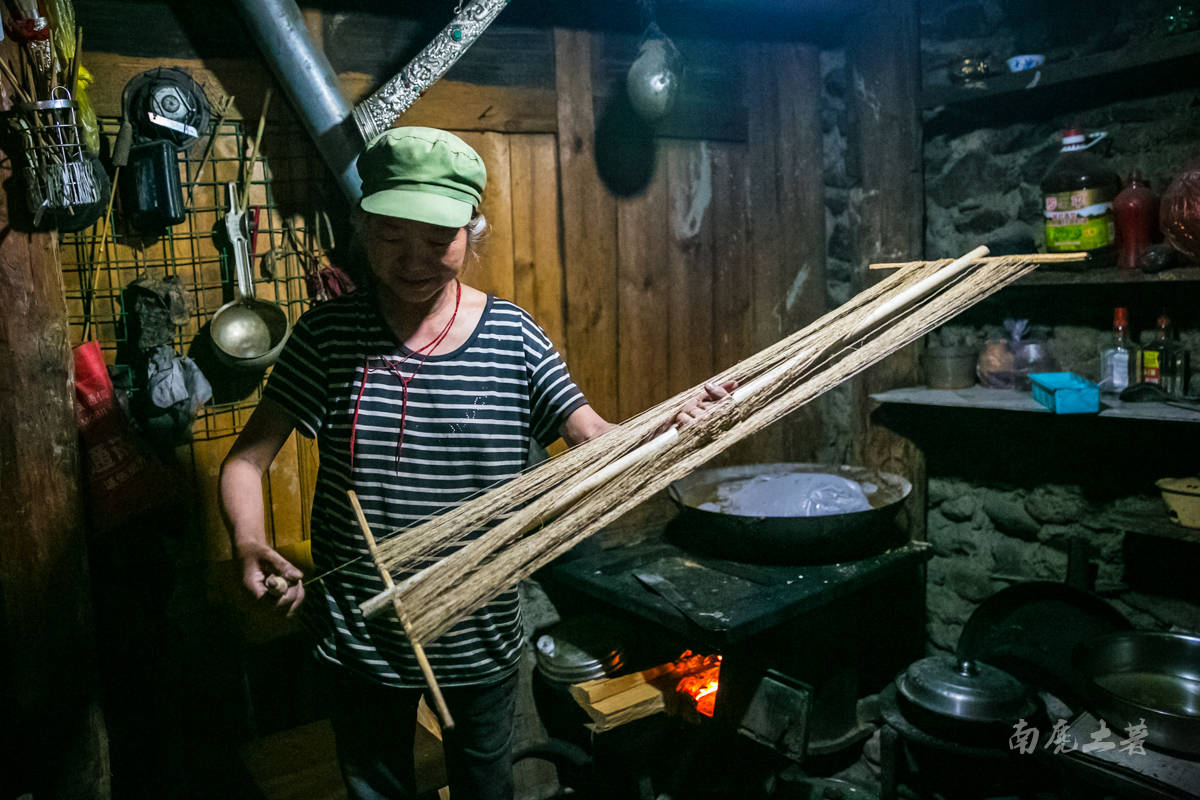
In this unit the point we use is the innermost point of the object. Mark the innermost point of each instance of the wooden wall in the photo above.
(720, 252)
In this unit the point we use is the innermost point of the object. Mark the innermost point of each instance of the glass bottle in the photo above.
(1136, 215)
(1164, 362)
(1156, 355)
(1118, 361)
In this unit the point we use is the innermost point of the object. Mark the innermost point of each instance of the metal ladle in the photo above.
(246, 332)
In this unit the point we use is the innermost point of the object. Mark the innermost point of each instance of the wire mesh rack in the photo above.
(97, 268)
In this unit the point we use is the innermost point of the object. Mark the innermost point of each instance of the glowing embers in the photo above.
(700, 682)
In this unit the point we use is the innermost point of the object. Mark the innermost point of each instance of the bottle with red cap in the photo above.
(1078, 192)
(1136, 213)
(1119, 361)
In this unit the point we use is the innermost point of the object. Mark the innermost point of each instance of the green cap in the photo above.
(422, 174)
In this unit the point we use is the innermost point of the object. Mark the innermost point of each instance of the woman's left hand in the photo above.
(698, 406)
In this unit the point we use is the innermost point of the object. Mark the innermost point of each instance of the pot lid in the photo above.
(965, 689)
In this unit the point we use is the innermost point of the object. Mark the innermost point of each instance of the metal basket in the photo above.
(58, 176)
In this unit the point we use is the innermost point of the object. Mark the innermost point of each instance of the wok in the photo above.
(788, 539)
(1140, 676)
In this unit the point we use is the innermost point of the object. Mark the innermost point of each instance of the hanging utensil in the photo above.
(247, 333)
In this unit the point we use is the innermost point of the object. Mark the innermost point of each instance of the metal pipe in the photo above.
(310, 83)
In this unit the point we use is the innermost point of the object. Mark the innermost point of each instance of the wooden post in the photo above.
(887, 212)
(53, 737)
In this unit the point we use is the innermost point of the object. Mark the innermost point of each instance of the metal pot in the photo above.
(789, 539)
(965, 700)
(1140, 677)
(247, 333)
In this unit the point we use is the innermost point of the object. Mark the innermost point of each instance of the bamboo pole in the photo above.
(1033, 258)
(417, 648)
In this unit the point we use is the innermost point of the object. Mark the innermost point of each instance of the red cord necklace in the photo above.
(394, 368)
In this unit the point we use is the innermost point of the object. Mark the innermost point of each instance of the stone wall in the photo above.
(983, 181)
(982, 186)
(985, 538)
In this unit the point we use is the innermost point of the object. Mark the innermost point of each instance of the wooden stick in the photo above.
(16, 84)
(1036, 258)
(418, 650)
(222, 113)
(73, 69)
(112, 193)
(262, 121)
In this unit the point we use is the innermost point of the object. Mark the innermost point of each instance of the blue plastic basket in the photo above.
(1065, 392)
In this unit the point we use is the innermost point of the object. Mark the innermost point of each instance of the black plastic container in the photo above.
(151, 193)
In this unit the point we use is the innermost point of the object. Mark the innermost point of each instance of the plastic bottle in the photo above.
(1078, 192)
(1136, 213)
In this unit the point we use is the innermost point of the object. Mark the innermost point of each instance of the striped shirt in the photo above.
(467, 426)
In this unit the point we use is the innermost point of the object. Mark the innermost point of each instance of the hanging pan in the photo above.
(247, 333)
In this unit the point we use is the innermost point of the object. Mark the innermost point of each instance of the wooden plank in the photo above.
(643, 298)
(762, 91)
(493, 272)
(283, 489)
(464, 106)
(635, 703)
(454, 105)
(589, 229)
(307, 464)
(382, 43)
(885, 133)
(689, 264)
(801, 203)
(537, 257)
(53, 734)
(595, 690)
(243, 77)
(207, 455)
(733, 301)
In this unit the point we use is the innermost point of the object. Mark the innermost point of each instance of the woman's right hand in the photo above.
(266, 574)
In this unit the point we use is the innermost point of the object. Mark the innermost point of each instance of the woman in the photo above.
(421, 391)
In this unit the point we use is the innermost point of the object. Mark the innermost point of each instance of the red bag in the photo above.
(124, 478)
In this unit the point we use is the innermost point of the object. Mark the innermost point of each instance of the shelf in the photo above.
(1012, 400)
(1101, 277)
(1143, 54)
(1161, 527)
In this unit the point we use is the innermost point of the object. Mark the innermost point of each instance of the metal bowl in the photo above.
(1140, 677)
(249, 333)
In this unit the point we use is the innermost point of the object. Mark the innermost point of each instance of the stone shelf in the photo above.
(1162, 527)
(1097, 277)
(1013, 400)
(1144, 54)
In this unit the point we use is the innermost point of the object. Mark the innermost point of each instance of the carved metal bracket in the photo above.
(376, 114)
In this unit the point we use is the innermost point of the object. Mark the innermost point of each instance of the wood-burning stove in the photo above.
(801, 645)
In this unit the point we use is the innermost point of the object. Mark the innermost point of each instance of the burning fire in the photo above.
(701, 675)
